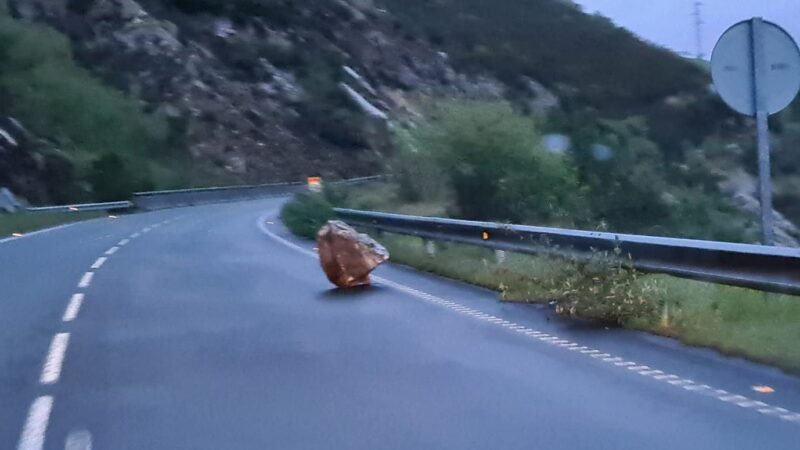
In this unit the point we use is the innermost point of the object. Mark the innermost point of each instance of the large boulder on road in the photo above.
(347, 256)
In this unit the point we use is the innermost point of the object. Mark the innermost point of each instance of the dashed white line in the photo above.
(51, 371)
(112, 250)
(86, 280)
(99, 263)
(33, 432)
(123, 242)
(79, 440)
(135, 235)
(73, 308)
(146, 229)
(675, 380)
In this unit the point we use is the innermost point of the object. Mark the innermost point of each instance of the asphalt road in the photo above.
(216, 330)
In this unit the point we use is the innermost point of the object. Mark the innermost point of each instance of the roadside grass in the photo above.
(735, 321)
(24, 222)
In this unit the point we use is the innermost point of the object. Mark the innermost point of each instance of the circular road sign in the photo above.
(734, 65)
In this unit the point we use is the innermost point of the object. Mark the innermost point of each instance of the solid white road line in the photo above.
(99, 263)
(51, 371)
(33, 432)
(79, 440)
(73, 308)
(112, 250)
(86, 280)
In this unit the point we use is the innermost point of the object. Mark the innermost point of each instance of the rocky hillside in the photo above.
(246, 91)
(252, 89)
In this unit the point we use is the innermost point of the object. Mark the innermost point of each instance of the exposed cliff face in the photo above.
(257, 98)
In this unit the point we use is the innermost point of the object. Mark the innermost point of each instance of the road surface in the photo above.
(211, 328)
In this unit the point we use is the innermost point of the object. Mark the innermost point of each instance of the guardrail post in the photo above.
(430, 248)
(500, 256)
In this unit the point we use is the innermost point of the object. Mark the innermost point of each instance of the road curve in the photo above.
(211, 328)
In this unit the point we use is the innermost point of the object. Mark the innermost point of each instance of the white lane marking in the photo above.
(146, 229)
(73, 308)
(123, 242)
(79, 440)
(33, 433)
(51, 371)
(45, 230)
(135, 235)
(686, 384)
(99, 263)
(86, 280)
(112, 250)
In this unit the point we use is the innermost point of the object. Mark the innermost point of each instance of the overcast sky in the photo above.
(670, 23)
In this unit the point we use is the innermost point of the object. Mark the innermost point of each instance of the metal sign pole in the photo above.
(762, 124)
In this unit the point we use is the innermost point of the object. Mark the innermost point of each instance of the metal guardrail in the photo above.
(109, 206)
(771, 269)
(191, 197)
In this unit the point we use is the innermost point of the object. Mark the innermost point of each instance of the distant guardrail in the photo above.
(191, 197)
(771, 269)
(108, 206)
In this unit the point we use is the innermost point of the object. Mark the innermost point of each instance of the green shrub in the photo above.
(306, 214)
(602, 288)
(493, 159)
(113, 180)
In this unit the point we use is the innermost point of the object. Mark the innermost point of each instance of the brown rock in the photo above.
(346, 256)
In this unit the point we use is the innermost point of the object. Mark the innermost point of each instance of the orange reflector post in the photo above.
(315, 184)
(763, 389)
(485, 236)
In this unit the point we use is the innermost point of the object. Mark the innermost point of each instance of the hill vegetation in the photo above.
(111, 146)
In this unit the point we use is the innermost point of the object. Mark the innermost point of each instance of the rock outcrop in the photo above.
(256, 97)
(348, 257)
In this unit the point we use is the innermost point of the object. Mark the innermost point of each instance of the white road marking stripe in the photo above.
(733, 398)
(665, 377)
(612, 359)
(124, 242)
(625, 364)
(33, 433)
(641, 370)
(146, 230)
(135, 235)
(112, 250)
(73, 308)
(86, 280)
(51, 371)
(99, 263)
(79, 440)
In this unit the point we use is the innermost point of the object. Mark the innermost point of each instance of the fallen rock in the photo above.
(347, 256)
